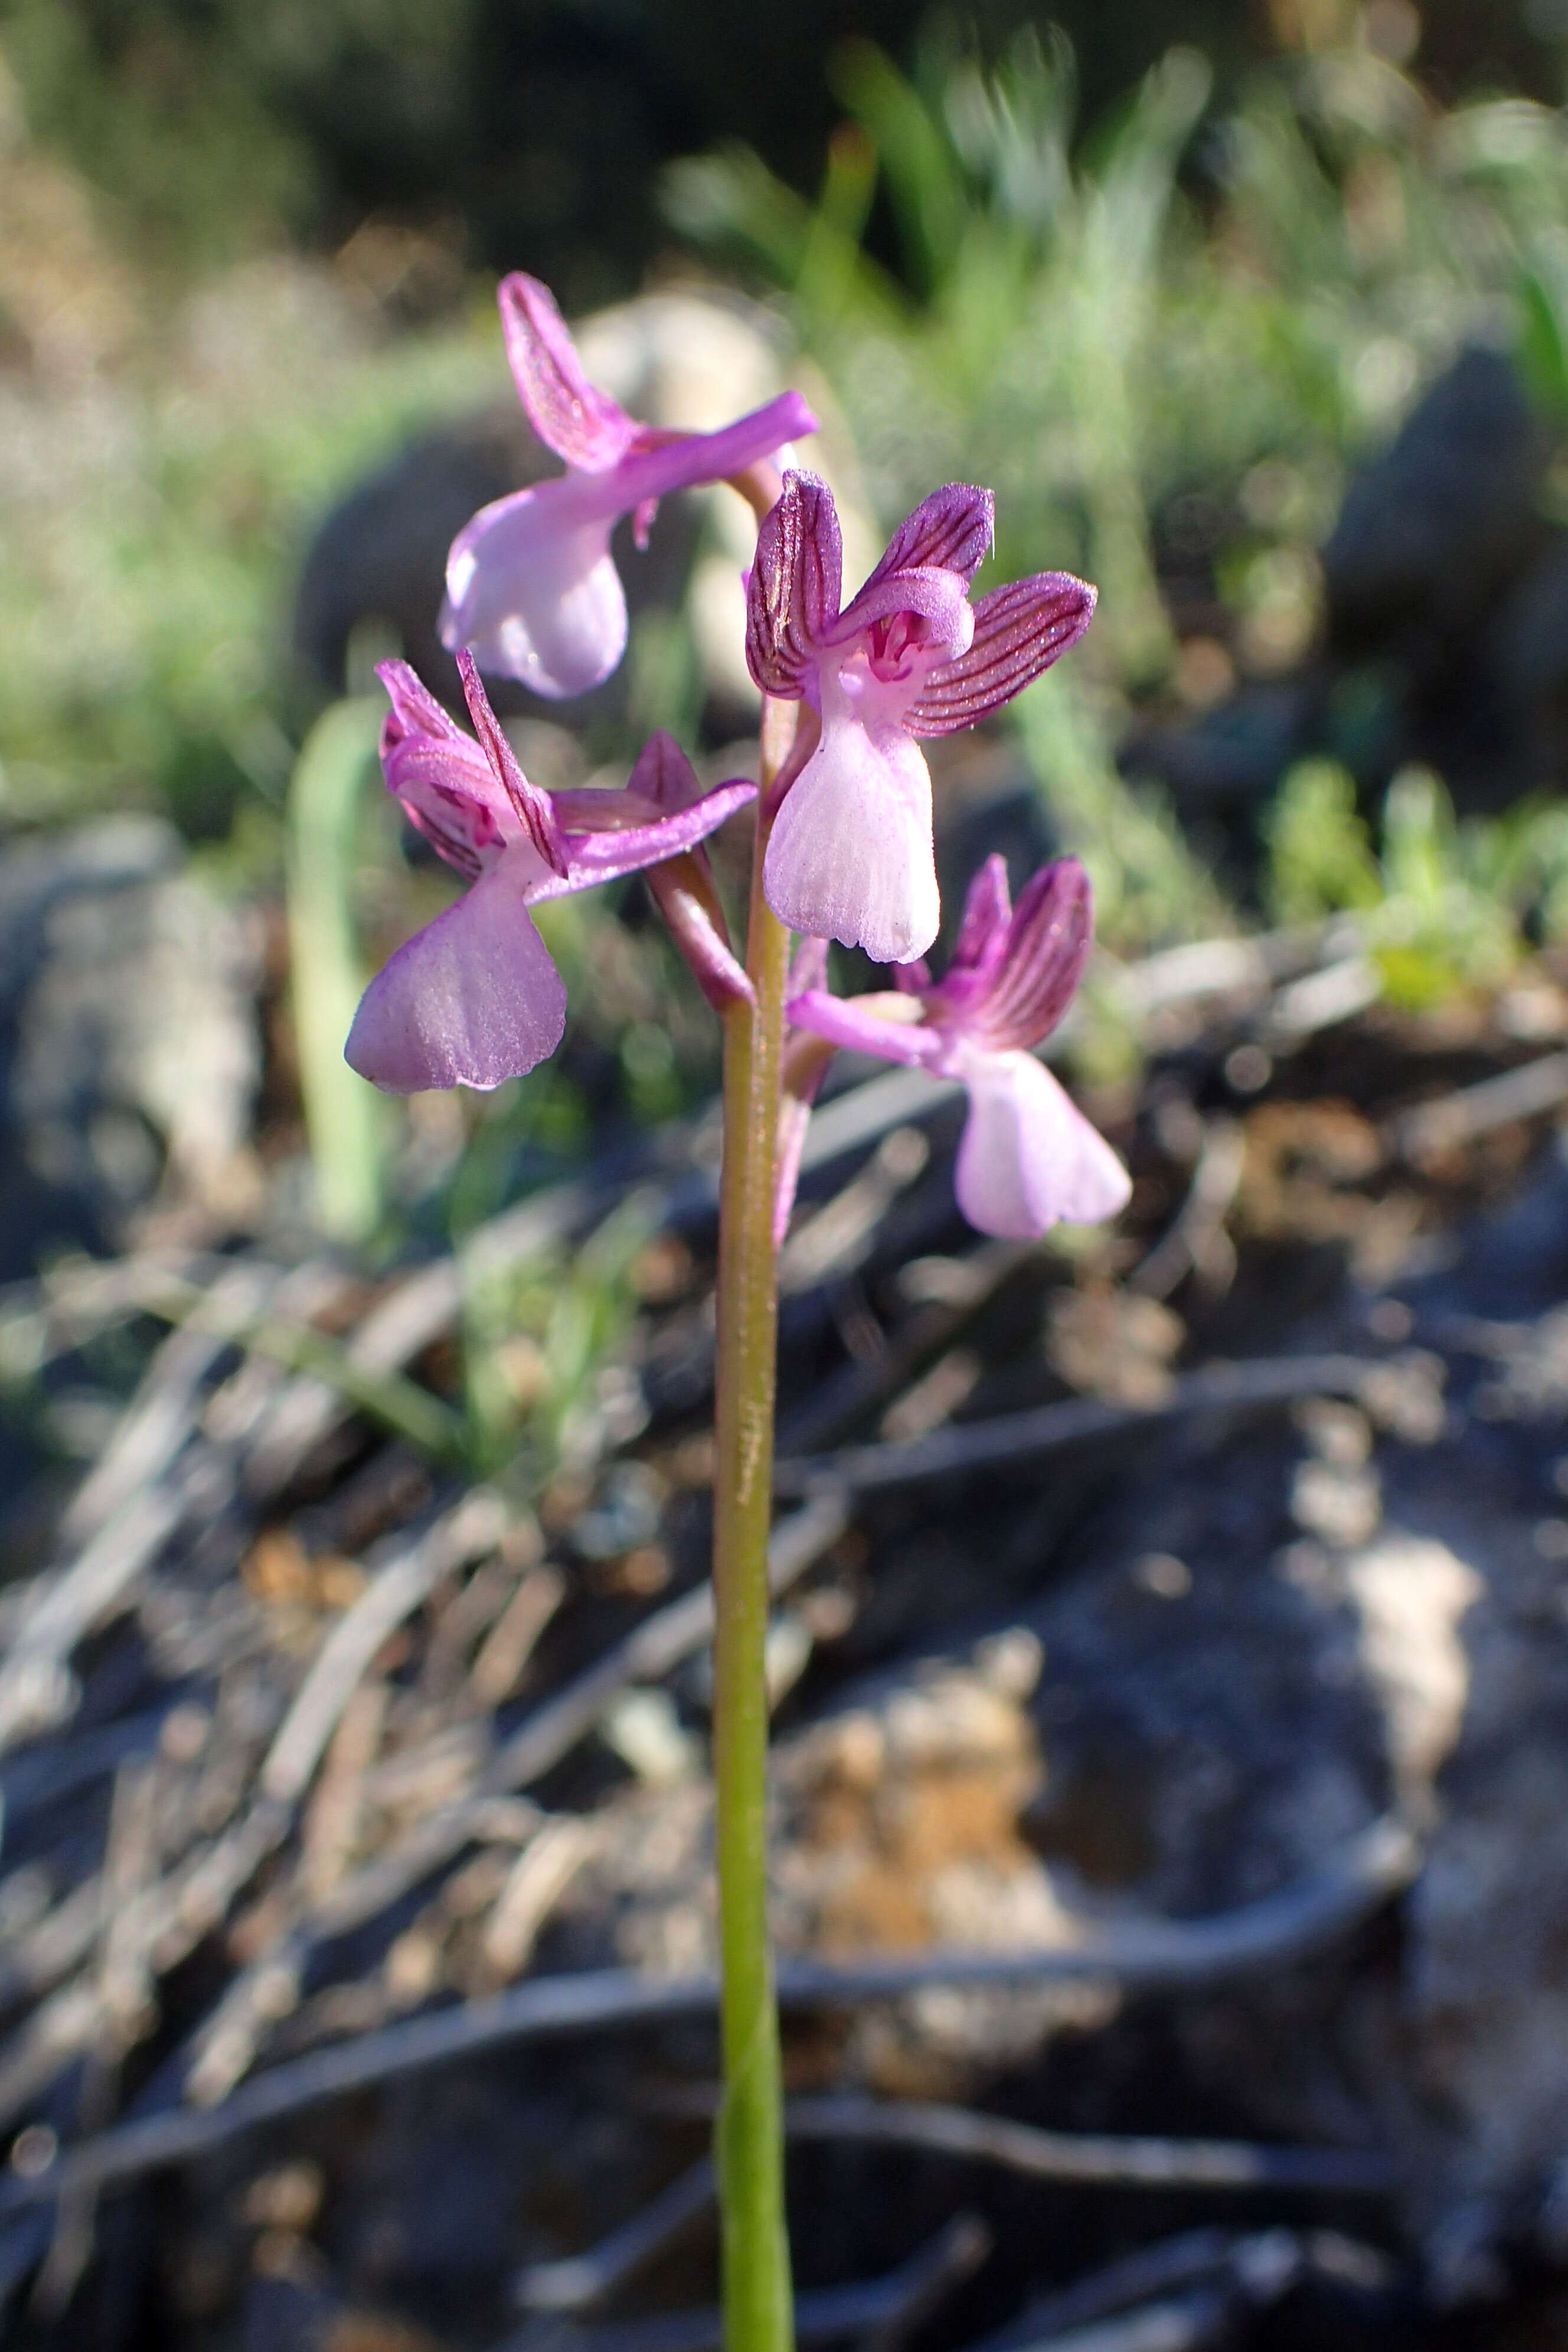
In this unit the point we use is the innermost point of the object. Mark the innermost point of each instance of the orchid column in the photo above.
(843, 851)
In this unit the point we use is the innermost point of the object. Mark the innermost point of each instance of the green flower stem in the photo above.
(750, 2147)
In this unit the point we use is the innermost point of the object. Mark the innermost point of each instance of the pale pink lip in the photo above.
(1027, 1158)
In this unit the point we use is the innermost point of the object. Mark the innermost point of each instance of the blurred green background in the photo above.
(1166, 277)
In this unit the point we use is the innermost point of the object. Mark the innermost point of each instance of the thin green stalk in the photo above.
(344, 1117)
(750, 2147)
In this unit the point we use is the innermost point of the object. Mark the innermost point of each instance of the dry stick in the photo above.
(1116, 2159)
(157, 1424)
(1230, 967)
(1199, 1221)
(580, 2280)
(953, 2256)
(1202, 2318)
(1146, 1957)
(410, 1319)
(887, 2306)
(130, 1858)
(473, 1527)
(389, 1397)
(1525, 1092)
(1264, 2261)
(32, 1687)
(661, 1642)
(932, 1325)
(1188, 2259)
(1046, 1429)
(130, 1505)
(164, 1922)
(1249, 2274)
(1334, 992)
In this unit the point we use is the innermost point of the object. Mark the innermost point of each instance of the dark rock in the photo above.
(1527, 651)
(1433, 530)
(1445, 639)
(378, 562)
(128, 1035)
(289, 2312)
(1233, 755)
(381, 553)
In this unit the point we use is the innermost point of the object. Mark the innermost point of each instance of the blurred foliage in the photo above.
(533, 129)
(154, 507)
(541, 1335)
(1164, 342)
(1164, 330)
(1442, 905)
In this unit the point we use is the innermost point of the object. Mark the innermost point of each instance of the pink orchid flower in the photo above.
(475, 998)
(1027, 1157)
(850, 856)
(531, 585)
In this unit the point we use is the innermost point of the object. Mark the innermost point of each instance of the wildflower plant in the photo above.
(842, 851)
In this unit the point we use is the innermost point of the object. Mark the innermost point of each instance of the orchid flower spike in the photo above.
(850, 853)
(475, 998)
(1027, 1157)
(531, 585)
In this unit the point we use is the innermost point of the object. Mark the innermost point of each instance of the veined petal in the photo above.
(531, 586)
(951, 529)
(443, 778)
(1019, 631)
(663, 462)
(1028, 1157)
(529, 804)
(662, 784)
(1045, 948)
(663, 775)
(886, 1025)
(414, 712)
(850, 856)
(796, 585)
(570, 415)
(604, 854)
(941, 599)
(987, 911)
(472, 1000)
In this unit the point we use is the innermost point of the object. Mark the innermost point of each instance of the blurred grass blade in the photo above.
(344, 1117)
(1541, 350)
(391, 1399)
(922, 174)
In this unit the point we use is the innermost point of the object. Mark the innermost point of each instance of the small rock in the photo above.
(1432, 530)
(129, 1043)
